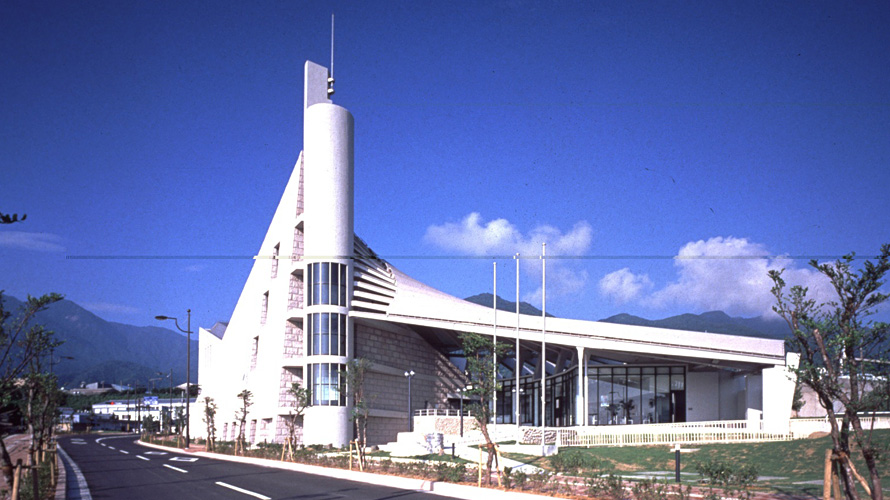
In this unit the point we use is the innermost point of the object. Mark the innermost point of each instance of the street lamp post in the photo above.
(461, 412)
(409, 375)
(188, 368)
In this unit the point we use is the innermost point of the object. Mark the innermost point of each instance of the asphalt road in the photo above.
(115, 467)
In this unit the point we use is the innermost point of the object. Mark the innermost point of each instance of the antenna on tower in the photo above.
(331, 77)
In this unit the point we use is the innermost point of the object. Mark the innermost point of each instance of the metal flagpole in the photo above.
(543, 346)
(494, 374)
(516, 364)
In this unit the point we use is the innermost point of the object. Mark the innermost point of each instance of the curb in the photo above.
(460, 491)
(61, 478)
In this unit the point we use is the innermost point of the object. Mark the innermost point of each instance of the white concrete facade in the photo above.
(317, 297)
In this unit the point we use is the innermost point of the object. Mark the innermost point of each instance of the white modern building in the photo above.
(137, 408)
(318, 296)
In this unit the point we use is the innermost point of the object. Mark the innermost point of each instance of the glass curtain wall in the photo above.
(561, 391)
(621, 395)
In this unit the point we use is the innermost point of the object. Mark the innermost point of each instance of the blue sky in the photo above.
(625, 134)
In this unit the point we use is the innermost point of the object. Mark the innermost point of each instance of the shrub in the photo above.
(574, 462)
(611, 487)
(734, 480)
(520, 478)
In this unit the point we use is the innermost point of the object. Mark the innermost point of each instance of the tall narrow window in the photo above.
(254, 351)
(275, 251)
(265, 308)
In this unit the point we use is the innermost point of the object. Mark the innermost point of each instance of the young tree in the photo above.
(300, 396)
(21, 346)
(210, 420)
(241, 415)
(356, 370)
(844, 356)
(480, 351)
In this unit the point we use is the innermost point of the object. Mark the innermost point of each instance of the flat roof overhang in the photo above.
(619, 343)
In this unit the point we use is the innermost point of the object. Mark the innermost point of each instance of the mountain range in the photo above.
(105, 351)
(713, 322)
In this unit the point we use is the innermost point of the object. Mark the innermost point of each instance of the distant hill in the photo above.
(105, 351)
(484, 299)
(713, 322)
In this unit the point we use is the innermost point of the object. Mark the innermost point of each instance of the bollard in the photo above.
(677, 462)
(452, 449)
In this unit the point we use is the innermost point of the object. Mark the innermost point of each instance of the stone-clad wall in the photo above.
(393, 350)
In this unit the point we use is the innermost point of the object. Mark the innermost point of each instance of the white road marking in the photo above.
(125, 452)
(83, 490)
(103, 444)
(184, 459)
(155, 452)
(177, 469)
(242, 490)
(111, 447)
(78, 442)
(143, 458)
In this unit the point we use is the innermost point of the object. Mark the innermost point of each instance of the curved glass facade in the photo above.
(327, 283)
(327, 384)
(327, 334)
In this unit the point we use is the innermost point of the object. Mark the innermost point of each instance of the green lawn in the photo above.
(785, 462)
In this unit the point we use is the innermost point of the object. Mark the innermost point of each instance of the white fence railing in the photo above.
(804, 427)
(443, 412)
(723, 431)
(727, 431)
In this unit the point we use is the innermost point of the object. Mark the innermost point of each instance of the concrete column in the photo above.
(778, 394)
(328, 200)
(581, 390)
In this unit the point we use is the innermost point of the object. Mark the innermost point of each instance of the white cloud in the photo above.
(474, 236)
(728, 274)
(41, 242)
(624, 286)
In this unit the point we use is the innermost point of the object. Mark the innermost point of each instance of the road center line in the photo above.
(111, 447)
(125, 452)
(242, 490)
(143, 458)
(177, 469)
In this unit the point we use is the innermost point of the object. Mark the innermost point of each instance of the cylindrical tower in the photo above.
(328, 250)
